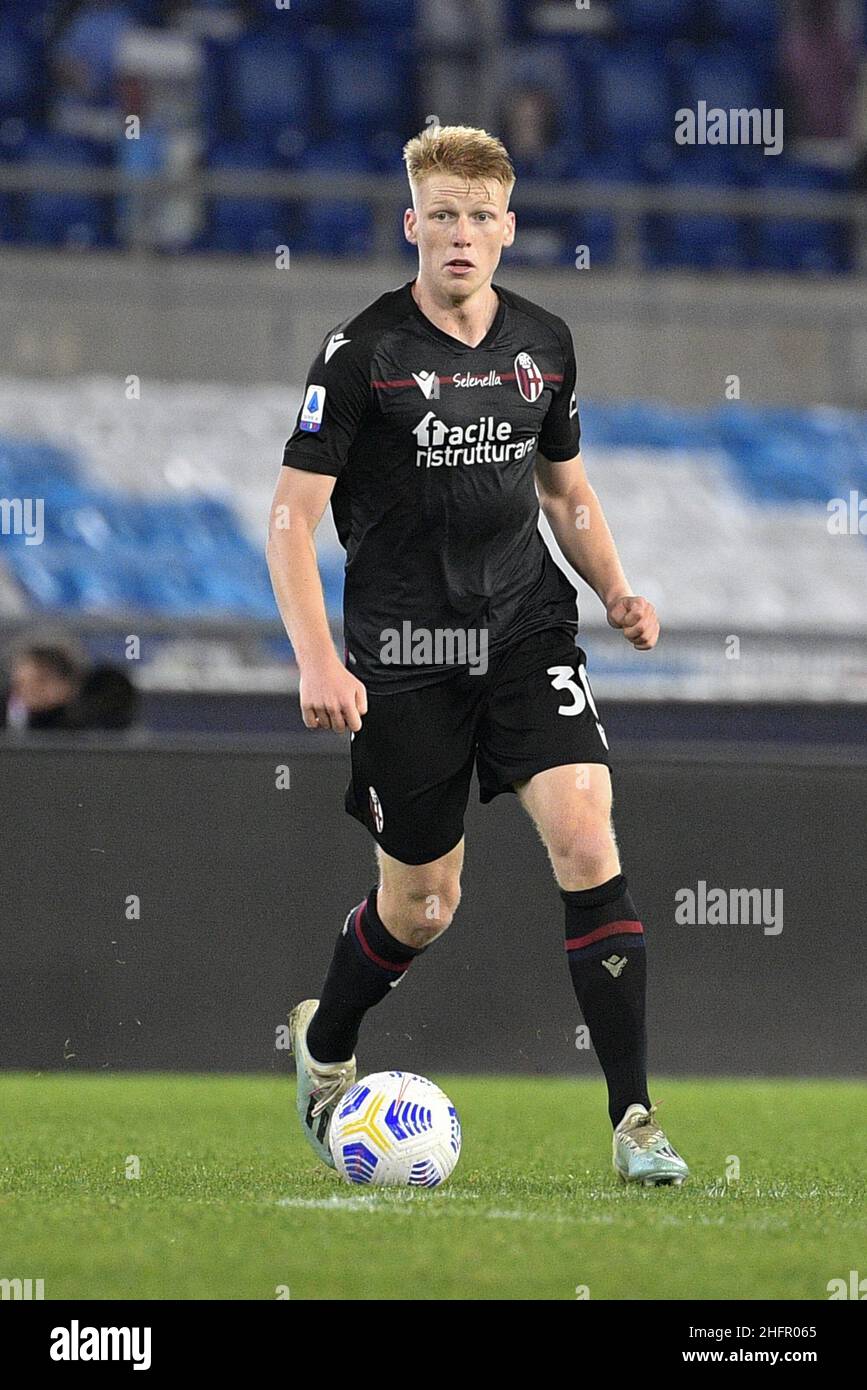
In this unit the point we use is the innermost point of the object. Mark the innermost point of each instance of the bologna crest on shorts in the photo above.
(529, 378)
(375, 809)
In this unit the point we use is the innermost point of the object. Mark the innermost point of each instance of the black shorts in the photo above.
(413, 758)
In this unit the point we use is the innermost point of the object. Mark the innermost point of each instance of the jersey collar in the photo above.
(446, 338)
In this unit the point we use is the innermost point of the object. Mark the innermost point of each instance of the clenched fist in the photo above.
(637, 620)
(331, 697)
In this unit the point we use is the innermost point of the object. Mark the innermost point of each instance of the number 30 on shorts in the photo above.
(581, 694)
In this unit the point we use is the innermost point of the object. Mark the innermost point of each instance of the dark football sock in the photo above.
(605, 950)
(367, 962)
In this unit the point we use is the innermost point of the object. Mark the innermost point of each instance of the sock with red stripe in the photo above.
(605, 950)
(367, 962)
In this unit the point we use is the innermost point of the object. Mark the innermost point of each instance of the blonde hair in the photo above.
(458, 149)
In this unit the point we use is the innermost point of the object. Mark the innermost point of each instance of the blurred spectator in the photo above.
(819, 70)
(530, 131)
(84, 59)
(135, 88)
(44, 683)
(158, 80)
(107, 700)
(49, 688)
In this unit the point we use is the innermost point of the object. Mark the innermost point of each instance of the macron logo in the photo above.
(428, 383)
(335, 342)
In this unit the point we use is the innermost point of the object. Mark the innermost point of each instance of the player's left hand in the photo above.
(637, 620)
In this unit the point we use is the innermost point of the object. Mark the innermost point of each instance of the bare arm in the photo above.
(331, 697)
(578, 523)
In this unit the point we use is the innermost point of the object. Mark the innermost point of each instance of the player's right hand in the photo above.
(331, 697)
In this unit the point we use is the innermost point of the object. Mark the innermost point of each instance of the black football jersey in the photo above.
(433, 445)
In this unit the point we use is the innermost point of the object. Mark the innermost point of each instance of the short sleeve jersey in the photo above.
(433, 445)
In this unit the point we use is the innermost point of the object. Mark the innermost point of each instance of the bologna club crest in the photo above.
(375, 810)
(528, 377)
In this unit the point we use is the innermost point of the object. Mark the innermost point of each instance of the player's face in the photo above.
(460, 231)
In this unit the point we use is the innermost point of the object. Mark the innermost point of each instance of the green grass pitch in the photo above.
(231, 1203)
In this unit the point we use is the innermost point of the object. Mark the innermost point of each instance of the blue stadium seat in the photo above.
(518, 15)
(245, 224)
(724, 76)
(332, 571)
(173, 589)
(20, 77)
(782, 469)
(266, 16)
(32, 467)
(208, 523)
(231, 117)
(13, 133)
(64, 218)
(713, 241)
(383, 15)
(239, 585)
(267, 83)
(219, 120)
(104, 584)
(336, 228)
(648, 425)
(37, 11)
(339, 153)
(596, 228)
(543, 63)
(109, 550)
(663, 17)
(44, 579)
(783, 453)
(800, 244)
(748, 19)
(364, 83)
(633, 97)
(383, 151)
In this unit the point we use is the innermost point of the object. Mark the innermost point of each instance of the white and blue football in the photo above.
(395, 1129)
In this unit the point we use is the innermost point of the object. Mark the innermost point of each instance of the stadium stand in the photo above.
(147, 511)
(337, 86)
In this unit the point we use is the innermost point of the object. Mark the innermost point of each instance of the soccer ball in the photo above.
(395, 1129)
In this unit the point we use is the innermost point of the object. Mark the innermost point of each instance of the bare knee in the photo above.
(418, 905)
(418, 912)
(583, 851)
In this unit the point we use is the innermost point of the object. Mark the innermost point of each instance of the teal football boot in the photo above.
(320, 1085)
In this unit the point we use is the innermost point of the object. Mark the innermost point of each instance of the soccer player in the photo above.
(429, 422)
